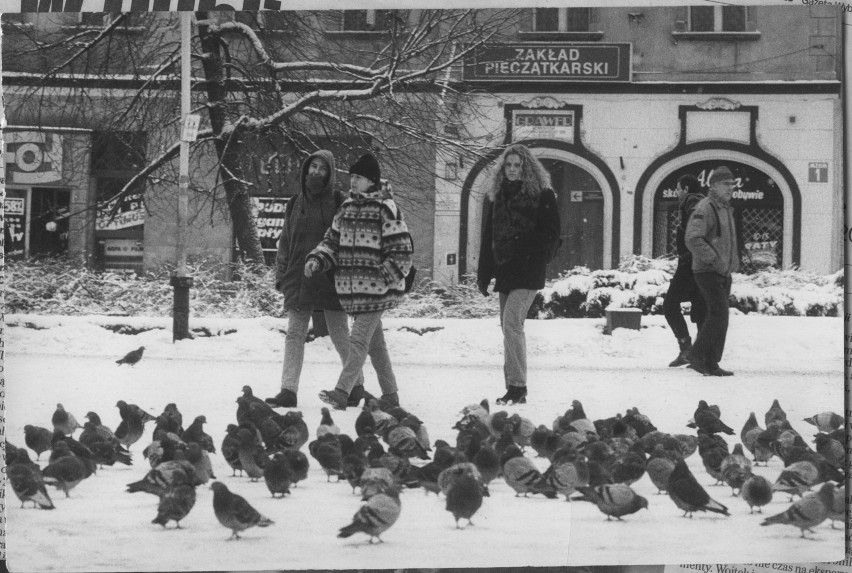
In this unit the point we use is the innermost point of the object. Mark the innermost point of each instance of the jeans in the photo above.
(710, 342)
(682, 288)
(366, 338)
(513, 312)
(294, 343)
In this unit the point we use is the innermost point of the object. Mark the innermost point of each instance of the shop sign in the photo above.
(123, 249)
(817, 172)
(552, 62)
(752, 187)
(33, 157)
(269, 217)
(131, 213)
(14, 225)
(543, 124)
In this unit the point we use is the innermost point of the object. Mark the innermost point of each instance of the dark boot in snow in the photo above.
(355, 396)
(682, 358)
(514, 395)
(284, 399)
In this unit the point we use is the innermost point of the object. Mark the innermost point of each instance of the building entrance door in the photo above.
(49, 216)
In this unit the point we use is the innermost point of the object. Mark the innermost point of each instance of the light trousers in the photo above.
(514, 307)
(365, 338)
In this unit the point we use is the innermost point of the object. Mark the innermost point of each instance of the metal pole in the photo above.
(181, 282)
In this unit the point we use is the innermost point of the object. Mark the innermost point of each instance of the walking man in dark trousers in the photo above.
(712, 239)
(682, 287)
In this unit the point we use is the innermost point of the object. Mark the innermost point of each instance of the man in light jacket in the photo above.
(711, 237)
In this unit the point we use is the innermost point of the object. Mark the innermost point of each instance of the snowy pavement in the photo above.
(103, 528)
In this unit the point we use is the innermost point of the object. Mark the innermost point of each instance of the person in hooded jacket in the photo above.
(520, 230)
(370, 250)
(307, 217)
(682, 287)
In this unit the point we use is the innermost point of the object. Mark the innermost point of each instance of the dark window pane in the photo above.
(733, 18)
(578, 20)
(701, 18)
(546, 19)
(116, 151)
(354, 19)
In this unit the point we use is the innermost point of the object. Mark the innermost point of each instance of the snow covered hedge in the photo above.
(642, 283)
(59, 286)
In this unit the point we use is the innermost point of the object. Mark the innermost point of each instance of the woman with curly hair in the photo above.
(520, 229)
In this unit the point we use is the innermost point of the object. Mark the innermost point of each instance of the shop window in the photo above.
(717, 18)
(762, 234)
(561, 19)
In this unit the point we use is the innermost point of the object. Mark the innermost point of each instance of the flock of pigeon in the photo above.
(389, 451)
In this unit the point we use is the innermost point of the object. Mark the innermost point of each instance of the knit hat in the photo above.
(721, 173)
(368, 167)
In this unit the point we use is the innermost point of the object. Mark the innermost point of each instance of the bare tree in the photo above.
(282, 76)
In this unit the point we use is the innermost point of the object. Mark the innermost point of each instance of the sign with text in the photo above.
(554, 62)
(270, 220)
(543, 124)
(131, 213)
(818, 172)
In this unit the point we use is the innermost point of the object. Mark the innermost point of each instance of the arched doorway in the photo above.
(581, 212)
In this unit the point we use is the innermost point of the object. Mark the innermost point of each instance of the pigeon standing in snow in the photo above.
(252, 456)
(687, 493)
(464, 498)
(175, 504)
(64, 421)
(775, 413)
(234, 512)
(614, 500)
(807, 512)
(750, 435)
(67, 472)
(735, 469)
(231, 449)
(376, 516)
(522, 475)
(131, 357)
(327, 425)
(195, 433)
(756, 492)
(276, 474)
(38, 439)
(708, 421)
(132, 426)
(28, 484)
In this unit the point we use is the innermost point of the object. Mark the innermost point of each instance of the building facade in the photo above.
(617, 102)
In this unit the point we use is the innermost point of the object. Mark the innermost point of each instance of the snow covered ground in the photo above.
(103, 528)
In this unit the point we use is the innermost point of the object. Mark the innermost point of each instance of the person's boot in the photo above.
(284, 399)
(514, 395)
(685, 345)
(716, 370)
(388, 401)
(335, 398)
(355, 396)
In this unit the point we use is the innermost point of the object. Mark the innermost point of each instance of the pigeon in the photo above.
(201, 462)
(376, 516)
(566, 476)
(327, 451)
(299, 464)
(832, 450)
(252, 456)
(195, 433)
(577, 419)
(28, 484)
(756, 492)
(248, 398)
(807, 512)
(170, 421)
(659, 467)
(234, 512)
(64, 421)
(837, 512)
(522, 476)
(352, 467)
(419, 429)
(403, 441)
(797, 478)
(296, 432)
(708, 421)
(749, 436)
(735, 469)
(103, 443)
(38, 439)
(16, 455)
(131, 357)
(175, 504)
(428, 474)
(132, 426)
(464, 498)
(375, 481)
(687, 493)
(479, 411)
(775, 413)
(276, 474)
(614, 500)
(825, 422)
(365, 423)
(231, 449)
(166, 475)
(631, 466)
(68, 445)
(66, 473)
(327, 425)
(448, 477)
(487, 462)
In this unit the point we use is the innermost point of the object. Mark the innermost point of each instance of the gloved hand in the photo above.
(483, 287)
(311, 267)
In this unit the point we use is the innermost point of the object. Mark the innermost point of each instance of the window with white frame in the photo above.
(717, 18)
(561, 19)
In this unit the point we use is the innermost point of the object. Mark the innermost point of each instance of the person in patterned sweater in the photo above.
(369, 248)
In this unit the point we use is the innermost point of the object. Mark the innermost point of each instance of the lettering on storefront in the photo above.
(573, 62)
(545, 124)
(269, 218)
(131, 213)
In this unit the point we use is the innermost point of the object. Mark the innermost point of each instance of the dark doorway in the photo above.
(581, 211)
(49, 218)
